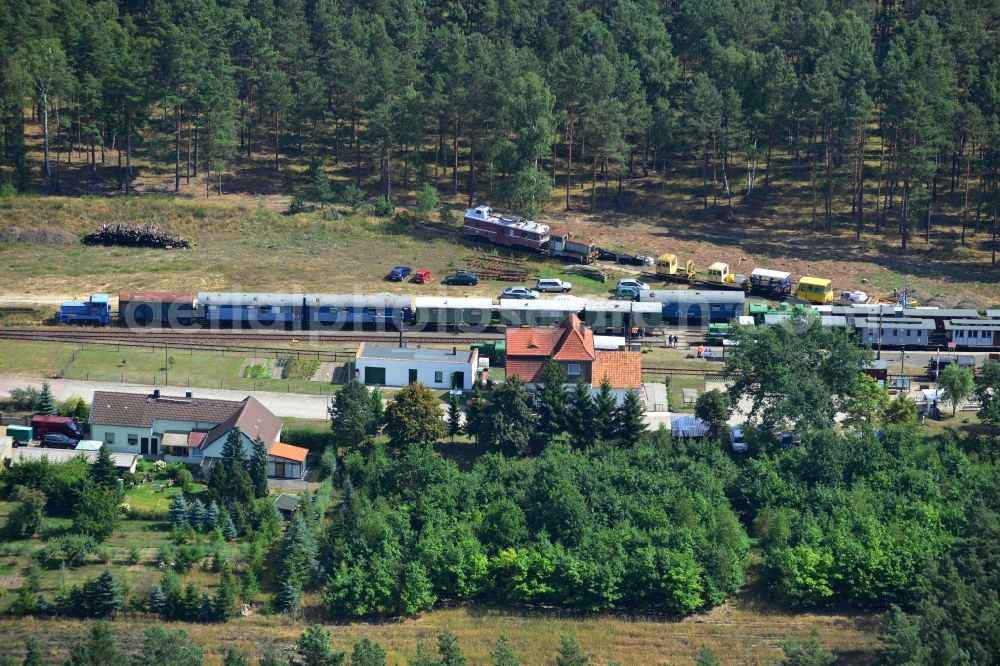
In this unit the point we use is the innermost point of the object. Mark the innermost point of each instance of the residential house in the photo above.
(571, 345)
(190, 429)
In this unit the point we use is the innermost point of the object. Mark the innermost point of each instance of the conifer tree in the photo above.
(352, 416)
(508, 419)
(33, 653)
(580, 420)
(287, 599)
(454, 416)
(550, 402)
(104, 595)
(475, 414)
(503, 653)
(367, 653)
(206, 610)
(212, 516)
(604, 412)
(157, 600)
(46, 401)
(298, 552)
(228, 528)
(234, 658)
(630, 420)
(225, 595)
(103, 471)
(250, 587)
(196, 515)
(258, 468)
(451, 654)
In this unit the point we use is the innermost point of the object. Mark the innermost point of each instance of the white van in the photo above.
(553, 284)
(738, 442)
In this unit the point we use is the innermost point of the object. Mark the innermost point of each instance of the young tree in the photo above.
(630, 420)
(475, 414)
(454, 416)
(570, 653)
(26, 519)
(414, 417)
(157, 600)
(46, 401)
(508, 421)
(378, 412)
(234, 658)
(712, 407)
(351, 415)
(451, 654)
(427, 201)
(104, 595)
(197, 515)
(808, 652)
(33, 653)
(44, 60)
(168, 648)
(900, 411)
(503, 653)
(707, 658)
(177, 514)
(367, 653)
(287, 599)
(551, 403)
(298, 552)
(258, 468)
(313, 649)
(97, 648)
(223, 606)
(103, 471)
(98, 511)
(957, 382)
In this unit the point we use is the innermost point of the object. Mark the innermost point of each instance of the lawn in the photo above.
(154, 497)
(36, 359)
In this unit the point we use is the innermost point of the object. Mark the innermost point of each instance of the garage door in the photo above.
(374, 375)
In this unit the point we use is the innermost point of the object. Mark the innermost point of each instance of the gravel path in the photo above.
(282, 404)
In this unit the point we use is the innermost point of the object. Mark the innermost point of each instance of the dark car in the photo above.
(399, 273)
(635, 260)
(606, 255)
(57, 440)
(462, 278)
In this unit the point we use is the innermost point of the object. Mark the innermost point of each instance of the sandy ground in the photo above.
(282, 404)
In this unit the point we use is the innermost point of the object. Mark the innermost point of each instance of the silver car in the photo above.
(519, 292)
(553, 284)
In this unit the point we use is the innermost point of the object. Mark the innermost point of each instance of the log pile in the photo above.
(591, 272)
(126, 234)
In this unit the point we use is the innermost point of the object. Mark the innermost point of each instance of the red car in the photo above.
(422, 276)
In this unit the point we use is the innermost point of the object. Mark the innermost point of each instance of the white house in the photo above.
(386, 365)
(187, 428)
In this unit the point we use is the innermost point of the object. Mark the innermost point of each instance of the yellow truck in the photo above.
(815, 290)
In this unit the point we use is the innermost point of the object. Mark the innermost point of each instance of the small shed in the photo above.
(285, 461)
(287, 504)
(878, 370)
(20, 433)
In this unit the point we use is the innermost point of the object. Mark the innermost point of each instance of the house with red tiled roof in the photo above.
(571, 345)
(190, 429)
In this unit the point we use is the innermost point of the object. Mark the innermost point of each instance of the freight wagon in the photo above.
(158, 309)
(687, 307)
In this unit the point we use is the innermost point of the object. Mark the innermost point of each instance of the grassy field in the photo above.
(737, 634)
(35, 359)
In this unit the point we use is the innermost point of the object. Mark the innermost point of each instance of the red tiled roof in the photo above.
(570, 341)
(196, 437)
(526, 368)
(623, 369)
(287, 451)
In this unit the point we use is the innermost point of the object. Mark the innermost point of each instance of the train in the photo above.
(874, 325)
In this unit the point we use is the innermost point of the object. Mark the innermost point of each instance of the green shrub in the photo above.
(309, 439)
(186, 557)
(383, 207)
(7, 190)
(447, 215)
(299, 368)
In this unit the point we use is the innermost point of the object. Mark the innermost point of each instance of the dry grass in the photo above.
(736, 635)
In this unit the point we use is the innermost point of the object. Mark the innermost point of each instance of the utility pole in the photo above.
(166, 367)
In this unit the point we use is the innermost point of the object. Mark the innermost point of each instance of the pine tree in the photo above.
(451, 654)
(192, 605)
(46, 401)
(33, 653)
(508, 420)
(177, 515)
(104, 595)
(313, 648)
(157, 600)
(250, 588)
(234, 658)
(630, 420)
(103, 471)
(378, 412)
(550, 403)
(212, 516)
(604, 412)
(196, 515)
(503, 653)
(225, 596)
(570, 653)
(298, 552)
(580, 421)
(454, 416)
(99, 648)
(258, 468)
(346, 493)
(367, 653)
(206, 611)
(287, 599)
(228, 527)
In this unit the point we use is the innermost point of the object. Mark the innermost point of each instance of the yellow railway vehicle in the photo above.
(667, 267)
(815, 290)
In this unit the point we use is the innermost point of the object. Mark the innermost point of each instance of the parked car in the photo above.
(553, 284)
(462, 278)
(422, 276)
(519, 292)
(737, 441)
(399, 273)
(57, 440)
(631, 283)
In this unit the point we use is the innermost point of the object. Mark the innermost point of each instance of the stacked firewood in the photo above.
(126, 234)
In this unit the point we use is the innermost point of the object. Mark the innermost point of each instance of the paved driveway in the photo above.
(282, 404)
